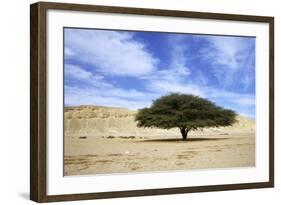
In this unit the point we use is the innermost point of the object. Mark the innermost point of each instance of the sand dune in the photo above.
(102, 140)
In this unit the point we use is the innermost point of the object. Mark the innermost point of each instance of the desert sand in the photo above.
(106, 140)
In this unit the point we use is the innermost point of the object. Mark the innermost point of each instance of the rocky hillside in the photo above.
(109, 121)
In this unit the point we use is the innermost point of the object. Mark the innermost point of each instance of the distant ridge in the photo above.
(95, 120)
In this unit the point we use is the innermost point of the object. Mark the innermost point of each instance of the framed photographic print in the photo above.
(135, 102)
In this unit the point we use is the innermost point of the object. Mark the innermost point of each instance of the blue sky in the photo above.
(131, 69)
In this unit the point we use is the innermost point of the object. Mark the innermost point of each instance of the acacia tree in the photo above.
(186, 112)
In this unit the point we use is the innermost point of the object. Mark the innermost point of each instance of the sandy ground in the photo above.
(86, 155)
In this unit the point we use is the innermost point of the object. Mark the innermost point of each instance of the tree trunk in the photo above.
(184, 132)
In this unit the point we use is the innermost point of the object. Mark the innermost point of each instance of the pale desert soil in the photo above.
(97, 155)
(105, 140)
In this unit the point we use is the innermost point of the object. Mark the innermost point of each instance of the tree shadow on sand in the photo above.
(188, 140)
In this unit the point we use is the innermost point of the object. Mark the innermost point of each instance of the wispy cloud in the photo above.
(130, 99)
(245, 101)
(179, 57)
(173, 78)
(113, 53)
(68, 52)
(165, 87)
(116, 69)
(230, 52)
(230, 57)
(73, 71)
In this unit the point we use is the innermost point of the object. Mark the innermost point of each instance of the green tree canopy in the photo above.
(186, 112)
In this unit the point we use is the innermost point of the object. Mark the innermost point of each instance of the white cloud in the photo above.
(231, 58)
(226, 51)
(83, 77)
(130, 93)
(178, 61)
(243, 104)
(233, 97)
(134, 99)
(166, 87)
(245, 101)
(173, 78)
(113, 53)
(76, 72)
(117, 53)
(68, 52)
(111, 98)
